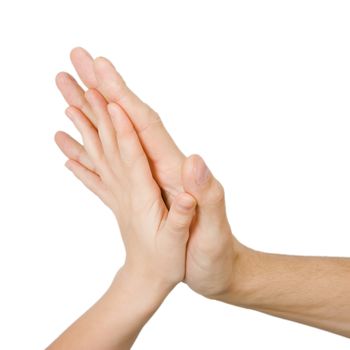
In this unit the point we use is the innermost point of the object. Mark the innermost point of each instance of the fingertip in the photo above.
(63, 82)
(73, 112)
(196, 172)
(101, 61)
(77, 51)
(63, 142)
(194, 156)
(58, 136)
(60, 77)
(186, 202)
(74, 52)
(105, 68)
(83, 63)
(196, 160)
(187, 168)
(69, 111)
(100, 64)
(201, 171)
(79, 54)
(69, 164)
(181, 214)
(189, 161)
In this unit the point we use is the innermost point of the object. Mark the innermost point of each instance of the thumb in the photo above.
(198, 181)
(180, 217)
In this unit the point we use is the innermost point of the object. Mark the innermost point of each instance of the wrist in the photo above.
(244, 276)
(141, 292)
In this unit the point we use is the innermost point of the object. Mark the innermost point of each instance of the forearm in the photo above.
(114, 322)
(310, 290)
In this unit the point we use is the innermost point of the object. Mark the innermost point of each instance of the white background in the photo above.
(259, 88)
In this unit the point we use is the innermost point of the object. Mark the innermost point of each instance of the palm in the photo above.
(209, 260)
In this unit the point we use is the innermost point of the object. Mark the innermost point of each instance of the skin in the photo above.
(155, 238)
(212, 243)
(314, 291)
(309, 290)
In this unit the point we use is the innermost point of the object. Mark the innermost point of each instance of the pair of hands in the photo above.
(171, 213)
(170, 209)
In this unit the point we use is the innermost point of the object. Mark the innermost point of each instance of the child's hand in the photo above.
(213, 252)
(116, 169)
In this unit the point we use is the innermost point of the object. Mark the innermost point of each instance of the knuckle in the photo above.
(153, 120)
(81, 104)
(119, 87)
(132, 162)
(216, 194)
(100, 160)
(179, 224)
(79, 157)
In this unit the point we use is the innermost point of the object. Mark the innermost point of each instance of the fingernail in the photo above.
(68, 113)
(201, 171)
(66, 164)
